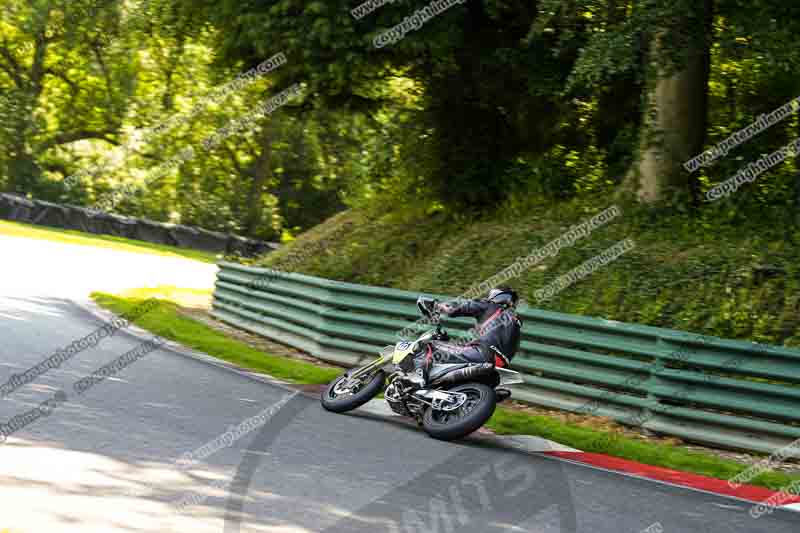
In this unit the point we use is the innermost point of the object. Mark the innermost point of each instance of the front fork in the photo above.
(368, 369)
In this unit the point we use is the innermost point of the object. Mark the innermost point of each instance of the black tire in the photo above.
(342, 403)
(460, 424)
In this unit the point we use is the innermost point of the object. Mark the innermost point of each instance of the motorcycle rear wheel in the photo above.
(470, 417)
(336, 402)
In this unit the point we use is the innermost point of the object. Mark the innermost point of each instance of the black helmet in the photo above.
(503, 295)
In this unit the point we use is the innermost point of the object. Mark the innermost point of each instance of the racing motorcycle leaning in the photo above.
(457, 399)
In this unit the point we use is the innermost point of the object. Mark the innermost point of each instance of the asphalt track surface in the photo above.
(107, 460)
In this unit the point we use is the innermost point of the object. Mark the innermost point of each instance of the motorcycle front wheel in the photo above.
(452, 425)
(339, 397)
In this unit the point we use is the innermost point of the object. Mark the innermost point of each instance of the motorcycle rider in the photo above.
(497, 334)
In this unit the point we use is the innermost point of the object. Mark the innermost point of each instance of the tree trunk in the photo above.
(796, 204)
(23, 172)
(21, 168)
(261, 173)
(674, 125)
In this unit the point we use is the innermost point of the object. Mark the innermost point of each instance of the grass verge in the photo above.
(28, 231)
(511, 422)
(167, 322)
(702, 275)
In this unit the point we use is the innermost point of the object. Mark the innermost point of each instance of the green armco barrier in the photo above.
(726, 393)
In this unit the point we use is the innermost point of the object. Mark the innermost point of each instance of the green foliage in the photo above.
(702, 275)
(86, 100)
(485, 105)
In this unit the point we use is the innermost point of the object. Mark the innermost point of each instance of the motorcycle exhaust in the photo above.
(464, 374)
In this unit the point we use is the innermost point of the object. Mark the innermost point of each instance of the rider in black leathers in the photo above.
(497, 334)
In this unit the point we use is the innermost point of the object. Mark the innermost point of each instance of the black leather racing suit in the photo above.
(496, 326)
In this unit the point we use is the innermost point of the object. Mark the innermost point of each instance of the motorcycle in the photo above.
(458, 399)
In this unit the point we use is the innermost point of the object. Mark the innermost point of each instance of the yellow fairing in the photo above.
(401, 351)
